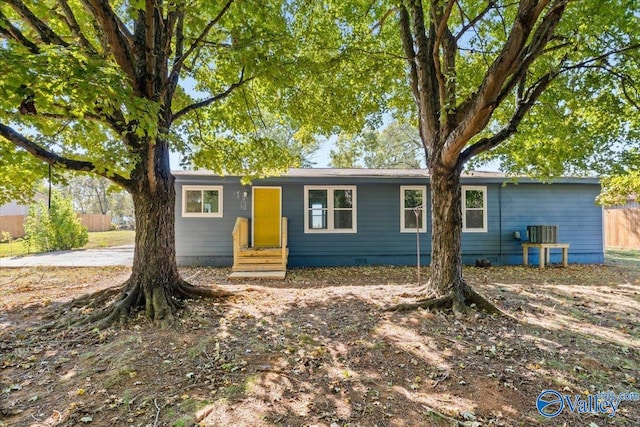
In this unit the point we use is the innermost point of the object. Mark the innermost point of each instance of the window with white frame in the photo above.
(474, 209)
(330, 209)
(413, 207)
(202, 201)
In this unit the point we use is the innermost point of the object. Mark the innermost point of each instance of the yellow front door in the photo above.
(267, 216)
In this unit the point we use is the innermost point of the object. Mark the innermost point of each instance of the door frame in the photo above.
(253, 199)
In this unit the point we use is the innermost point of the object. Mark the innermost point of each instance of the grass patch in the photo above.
(108, 239)
(15, 248)
(97, 239)
(626, 256)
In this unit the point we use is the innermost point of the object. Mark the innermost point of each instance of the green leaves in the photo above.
(18, 173)
(588, 118)
(396, 146)
(245, 156)
(618, 189)
(57, 228)
(249, 69)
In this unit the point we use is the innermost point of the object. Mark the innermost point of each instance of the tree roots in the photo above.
(110, 306)
(467, 298)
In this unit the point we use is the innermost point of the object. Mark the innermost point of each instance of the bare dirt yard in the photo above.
(318, 349)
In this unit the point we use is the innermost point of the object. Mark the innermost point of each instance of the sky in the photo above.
(320, 158)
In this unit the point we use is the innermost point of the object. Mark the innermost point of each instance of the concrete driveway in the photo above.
(118, 255)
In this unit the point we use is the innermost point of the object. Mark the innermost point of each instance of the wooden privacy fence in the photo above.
(14, 224)
(622, 228)
(95, 222)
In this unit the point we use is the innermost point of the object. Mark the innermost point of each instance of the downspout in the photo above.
(49, 201)
(500, 221)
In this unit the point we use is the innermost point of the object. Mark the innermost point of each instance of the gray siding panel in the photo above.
(201, 238)
(378, 239)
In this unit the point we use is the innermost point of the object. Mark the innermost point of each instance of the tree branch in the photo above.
(150, 48)
(11, 32)
(472, 22)
(514, 58)
(52, 158)
(118, 37)
(45, 32)
(446, 78)
(177, 19)
(116, 124)
(382, 20)
(627, 95)
(539, 40)
(410, 54)
(61, 116)
(528, 100)
(72, 23)
(179, 62)
(213, 99)
(429, 103)
(582, 64)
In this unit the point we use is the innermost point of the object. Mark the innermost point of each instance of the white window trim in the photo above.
(484, 228)
(330, 209)
(186, 188)
(423, 227)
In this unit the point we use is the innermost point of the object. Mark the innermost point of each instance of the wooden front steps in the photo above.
(271, 275)
(260, 259)
(268, 263)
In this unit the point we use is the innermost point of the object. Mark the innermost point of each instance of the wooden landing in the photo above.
(270, 275)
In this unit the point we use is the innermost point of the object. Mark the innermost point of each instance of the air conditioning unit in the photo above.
(542, 233)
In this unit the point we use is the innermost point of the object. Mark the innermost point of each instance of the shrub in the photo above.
(57, 228)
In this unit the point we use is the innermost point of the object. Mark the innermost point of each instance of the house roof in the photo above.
(354, 172)
(399, 173)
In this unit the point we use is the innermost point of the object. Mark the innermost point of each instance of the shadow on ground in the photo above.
(318, 350)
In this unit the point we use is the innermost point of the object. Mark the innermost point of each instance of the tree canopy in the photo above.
(111, 87)
(396, 146)
(586, 119)
(72, 86)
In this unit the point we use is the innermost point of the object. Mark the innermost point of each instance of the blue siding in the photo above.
(510, 208)
(484, 245)
(570, 206)
(378, 239)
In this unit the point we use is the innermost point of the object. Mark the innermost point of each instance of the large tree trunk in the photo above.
(155, 285)
(154, 277)
(446, 235)
(447, 288)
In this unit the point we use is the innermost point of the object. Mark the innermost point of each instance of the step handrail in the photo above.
(240, 235)
(284, 239)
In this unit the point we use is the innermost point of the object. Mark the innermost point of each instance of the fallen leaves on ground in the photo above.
(316, 349)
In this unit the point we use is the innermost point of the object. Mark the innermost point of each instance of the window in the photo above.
(329, 209)
(202, 201)
(412, 197)
(474, 209)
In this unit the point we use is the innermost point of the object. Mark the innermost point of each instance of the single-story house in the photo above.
(14, 214)
(17, 208)
(342, 217)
